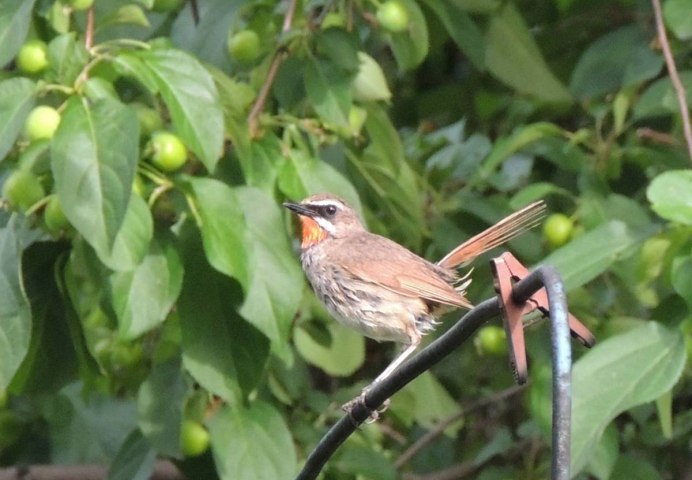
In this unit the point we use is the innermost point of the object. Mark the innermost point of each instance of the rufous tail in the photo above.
(503, 231)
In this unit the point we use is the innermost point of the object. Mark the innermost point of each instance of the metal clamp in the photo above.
(506, 271)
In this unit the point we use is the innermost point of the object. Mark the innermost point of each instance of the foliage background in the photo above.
(183, 299)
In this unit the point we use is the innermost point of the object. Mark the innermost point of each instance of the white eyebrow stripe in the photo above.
(326, 202)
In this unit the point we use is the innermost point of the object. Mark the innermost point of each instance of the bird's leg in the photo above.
(387, 372)
(396, 362)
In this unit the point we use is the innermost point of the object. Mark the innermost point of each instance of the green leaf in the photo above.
(369, 83)
(339, 46)
(260, 159)
(94, 155)
(134, 461)
(364, 462)
(50, 362)
(634, 467)
(518, 140)
(17, 98)
(86, 428)
(618, 59)
(303, 175)
(67, 57)
(143, 297)
(677, 16)
(426, 402)
(221, 350)
(461, 28)
(622, 372)
(328, 91)
(670, 195)
(341, 358)
(160, 403)
(132, 241)
(205, 35)
(411, 46)
(275, 279)
(131, 66)
(239, 231)
(681, 277)
(223, 227)
(15, 314)
(660, 98)
(252, 442)
(605, 454)
(591, 254)
(512, 56)
(15, 17)
(534, 192)
(192, 100)
(384, 169)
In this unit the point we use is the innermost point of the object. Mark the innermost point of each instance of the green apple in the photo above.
(42, 122)
(22, 189)
(393, 16)
(244, 46)
(167, 151)
(33, 56)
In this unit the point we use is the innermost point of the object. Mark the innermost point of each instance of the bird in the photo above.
(380, 288)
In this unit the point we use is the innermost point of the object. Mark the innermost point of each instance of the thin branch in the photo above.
(673, 73)
(258, 106)
(89, 34)
(429, 437)
(279, 56)
(163, 470)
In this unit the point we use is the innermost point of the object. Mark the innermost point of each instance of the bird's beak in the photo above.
(299, 208)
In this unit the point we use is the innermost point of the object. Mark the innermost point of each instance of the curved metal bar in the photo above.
(377, 394)
(548, 277)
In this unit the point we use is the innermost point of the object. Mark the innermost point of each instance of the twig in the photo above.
(674, 77)
(194, 9)
(429, 437)
(658, 137)
(279, 56)
(89, 34)
(258, 106)
(464, 469)
(163, 470)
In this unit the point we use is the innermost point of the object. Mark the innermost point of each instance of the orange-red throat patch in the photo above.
(312, 232)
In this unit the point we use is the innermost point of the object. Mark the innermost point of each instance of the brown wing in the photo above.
(380, 261)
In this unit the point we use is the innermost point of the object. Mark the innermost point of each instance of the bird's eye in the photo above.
(330, 209)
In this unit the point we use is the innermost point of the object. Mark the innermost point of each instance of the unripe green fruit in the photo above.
(393, 16)
(492, 340)
(22, 189)
(557, 229)
(41, 123)
(33, 56)
(149, 119)
(244, 46)
(54, 216)
(80, 5)
(168, 152)
(194, 438)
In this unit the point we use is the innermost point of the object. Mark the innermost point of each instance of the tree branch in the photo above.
(430, 436)
(673, 73)
(163, 470)
(279, 56)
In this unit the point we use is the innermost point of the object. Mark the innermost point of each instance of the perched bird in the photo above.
(380, 288)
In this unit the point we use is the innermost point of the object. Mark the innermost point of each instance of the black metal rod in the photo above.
(562, 362)
(377, 394)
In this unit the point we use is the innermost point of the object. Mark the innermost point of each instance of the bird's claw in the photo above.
(360, 399)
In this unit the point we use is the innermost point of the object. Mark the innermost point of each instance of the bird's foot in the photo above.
(360, 399)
